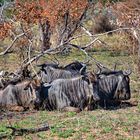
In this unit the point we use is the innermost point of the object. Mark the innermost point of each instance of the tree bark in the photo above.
(45, 35)
(136, 33)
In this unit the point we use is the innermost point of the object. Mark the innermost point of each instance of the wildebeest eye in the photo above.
(26, 87)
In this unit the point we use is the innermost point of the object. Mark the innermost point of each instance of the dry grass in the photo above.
(100, 124)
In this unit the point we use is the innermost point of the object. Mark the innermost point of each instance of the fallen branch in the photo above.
(49, 51)
(22, 131)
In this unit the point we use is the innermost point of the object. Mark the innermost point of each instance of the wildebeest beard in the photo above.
(113, 87)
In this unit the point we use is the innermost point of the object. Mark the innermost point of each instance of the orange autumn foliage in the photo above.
(52, 10)
(4, 29)
(34, 11)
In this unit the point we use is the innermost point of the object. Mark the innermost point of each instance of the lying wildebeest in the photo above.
(76, 92)
(50, 73)
(110, 85)
(19, 96)
(113, 87)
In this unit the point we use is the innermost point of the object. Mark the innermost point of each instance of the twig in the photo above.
(78, 23)
(29, 56)
(89, 56)
(42, 54)
(111, 31)
(75, 37)
(87, 32)
(88, 45)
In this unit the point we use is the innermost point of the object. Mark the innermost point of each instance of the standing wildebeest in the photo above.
(50, 73)
(75, 92)
(19, 96)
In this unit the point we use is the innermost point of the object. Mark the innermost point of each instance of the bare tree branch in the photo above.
(85, 30)
(89, 56)
(78, 23)
(49, 51)
(8, 48)
(88, 45)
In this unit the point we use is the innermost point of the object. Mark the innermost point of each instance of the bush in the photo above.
(102, 24)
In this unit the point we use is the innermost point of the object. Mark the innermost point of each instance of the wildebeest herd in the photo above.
(61, 87)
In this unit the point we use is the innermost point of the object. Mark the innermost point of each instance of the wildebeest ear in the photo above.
(42, 66)
(27, 85)
(127, 73)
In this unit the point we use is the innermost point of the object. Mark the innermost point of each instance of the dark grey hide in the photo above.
(76, 66)
(74, 92)
(49, 74)
(14, 78)
(22, 94)
(113, 85)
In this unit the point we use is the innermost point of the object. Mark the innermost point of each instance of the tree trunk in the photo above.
(139, 57)
(45, 35)
(136, 33)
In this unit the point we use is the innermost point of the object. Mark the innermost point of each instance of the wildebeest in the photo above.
(75, 92)
(19, 96)
(113, 87)
(105, 86)
(50, 73)
(76, 65)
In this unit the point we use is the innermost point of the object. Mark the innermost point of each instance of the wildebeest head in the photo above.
(32, 87)
(50, 73)
(76, 65)
(42, 66)
(114, 85)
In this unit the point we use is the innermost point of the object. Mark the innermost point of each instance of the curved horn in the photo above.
(127, 72)
(99, 71)
(86, 62)
(82, 70)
